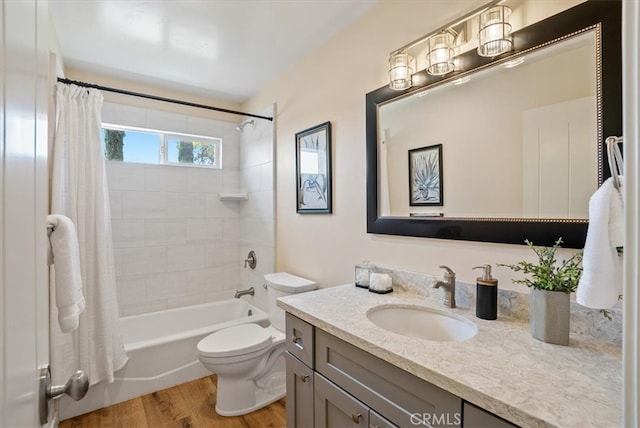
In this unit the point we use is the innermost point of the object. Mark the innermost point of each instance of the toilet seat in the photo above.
(235, 341)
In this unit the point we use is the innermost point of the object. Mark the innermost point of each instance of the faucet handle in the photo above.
(449, 273)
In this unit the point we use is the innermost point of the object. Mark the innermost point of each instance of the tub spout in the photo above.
(248, 291)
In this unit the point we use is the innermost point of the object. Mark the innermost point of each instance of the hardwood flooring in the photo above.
(190, 405)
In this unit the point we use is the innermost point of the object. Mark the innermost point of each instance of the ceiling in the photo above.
(226, 49)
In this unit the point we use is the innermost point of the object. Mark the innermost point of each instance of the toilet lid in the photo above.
(237, 340)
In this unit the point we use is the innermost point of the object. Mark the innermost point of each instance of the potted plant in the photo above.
(552, 282)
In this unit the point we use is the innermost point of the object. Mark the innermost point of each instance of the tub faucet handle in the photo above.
(251, 260)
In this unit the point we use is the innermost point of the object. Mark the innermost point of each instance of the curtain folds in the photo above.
(79, 191)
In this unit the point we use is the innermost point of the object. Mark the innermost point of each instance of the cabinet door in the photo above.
(299, 394)
(334, 408)
(377, 421)
(475, 417)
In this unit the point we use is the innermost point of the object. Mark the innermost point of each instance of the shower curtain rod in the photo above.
(156, 98)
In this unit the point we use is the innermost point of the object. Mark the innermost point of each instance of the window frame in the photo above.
(165, 136)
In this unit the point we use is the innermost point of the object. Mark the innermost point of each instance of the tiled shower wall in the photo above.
(175, 242)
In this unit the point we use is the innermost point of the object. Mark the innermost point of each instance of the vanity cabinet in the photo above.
(340, 385)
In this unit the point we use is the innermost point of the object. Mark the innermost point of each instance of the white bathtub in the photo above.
(161, 347)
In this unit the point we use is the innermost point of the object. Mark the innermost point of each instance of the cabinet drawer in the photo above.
(475, 417)
(299, 339)
(401, 397)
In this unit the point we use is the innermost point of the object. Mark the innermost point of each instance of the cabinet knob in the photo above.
(356, 418)
(304, 377)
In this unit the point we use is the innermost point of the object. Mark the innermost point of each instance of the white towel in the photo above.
(67, 276)
(601, 280)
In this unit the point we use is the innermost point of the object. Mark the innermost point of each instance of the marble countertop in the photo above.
(501, 369)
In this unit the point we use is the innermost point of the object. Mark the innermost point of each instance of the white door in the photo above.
(24, 315)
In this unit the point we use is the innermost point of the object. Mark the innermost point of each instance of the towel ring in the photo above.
(616, 165)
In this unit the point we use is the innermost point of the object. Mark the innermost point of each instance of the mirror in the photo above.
(522, 146)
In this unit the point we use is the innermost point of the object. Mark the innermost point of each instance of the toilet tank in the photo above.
(283, 284)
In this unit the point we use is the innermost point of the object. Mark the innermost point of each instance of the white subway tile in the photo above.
(115, 203)
(131, 289)
(166, 285)
(144, 260)
(185, 257)
(221, 295)
(165, 178)
(184, 205)
(125, 175)
(204, 230)
(204, 281)
(266, 176)
(230, 155)
(204, 127)
(231, 279)
(204, 180)
(164, 121)
(215, 208)
(222, 253)
(118, 262)
(144, 308)
(165, 232)
(118, 114)
(251, 178)
(127, 233)
(231, 180)
(144, 205)
(259, 206)
(181, 302)
(231, 230)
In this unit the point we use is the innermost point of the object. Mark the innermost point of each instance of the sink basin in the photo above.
(422, 323)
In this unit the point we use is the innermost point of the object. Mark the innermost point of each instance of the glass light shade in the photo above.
(494, 37)
(440, 54)
(400, 71)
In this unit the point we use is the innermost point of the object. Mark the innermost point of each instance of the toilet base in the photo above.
(254, 397)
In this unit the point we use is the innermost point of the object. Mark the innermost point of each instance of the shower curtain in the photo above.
(79, 191)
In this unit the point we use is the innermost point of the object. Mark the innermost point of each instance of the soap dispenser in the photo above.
(486, 295)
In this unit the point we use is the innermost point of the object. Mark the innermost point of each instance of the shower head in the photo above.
(244, 124)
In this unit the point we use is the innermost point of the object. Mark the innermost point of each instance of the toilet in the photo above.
(248, 358)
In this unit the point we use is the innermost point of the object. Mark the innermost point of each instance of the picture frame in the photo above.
(425, 176)
(313, 170)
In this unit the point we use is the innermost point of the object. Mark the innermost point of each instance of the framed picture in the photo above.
(313, 169)
(425, 176)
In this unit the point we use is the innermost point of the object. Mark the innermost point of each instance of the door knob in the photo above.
(76, 388)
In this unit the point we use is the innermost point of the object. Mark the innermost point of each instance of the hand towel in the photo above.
(601, 280)
(67, 276)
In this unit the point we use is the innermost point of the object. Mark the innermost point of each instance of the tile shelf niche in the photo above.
(233, 196)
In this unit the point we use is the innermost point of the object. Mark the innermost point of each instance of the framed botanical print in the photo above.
(313, 169)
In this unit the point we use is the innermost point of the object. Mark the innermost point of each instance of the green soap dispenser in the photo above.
(486, 295)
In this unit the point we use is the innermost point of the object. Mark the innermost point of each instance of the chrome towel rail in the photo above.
(616, 165)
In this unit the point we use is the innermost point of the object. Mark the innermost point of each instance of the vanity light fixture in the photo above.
(400, 70)
(440, 53)
(514, 62)
(494, 36)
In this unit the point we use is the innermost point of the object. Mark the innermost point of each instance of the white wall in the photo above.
(330, 85)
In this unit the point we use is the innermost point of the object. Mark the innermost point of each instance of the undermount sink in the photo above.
(422, 323)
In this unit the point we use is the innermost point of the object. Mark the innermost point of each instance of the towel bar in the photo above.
(615, 159)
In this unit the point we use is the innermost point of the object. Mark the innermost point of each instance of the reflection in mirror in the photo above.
(519, 139)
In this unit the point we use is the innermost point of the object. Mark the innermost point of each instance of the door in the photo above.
(24, 315)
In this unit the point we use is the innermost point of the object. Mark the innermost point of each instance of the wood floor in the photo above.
(184, 406)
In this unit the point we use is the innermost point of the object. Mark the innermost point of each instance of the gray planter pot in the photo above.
(549, 316)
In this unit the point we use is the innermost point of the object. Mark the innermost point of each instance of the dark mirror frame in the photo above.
(605, 14)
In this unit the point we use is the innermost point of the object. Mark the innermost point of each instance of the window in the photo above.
(130, 144)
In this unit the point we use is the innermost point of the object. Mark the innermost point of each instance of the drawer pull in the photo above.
(356, 418)
(296, 339)
(303, 377)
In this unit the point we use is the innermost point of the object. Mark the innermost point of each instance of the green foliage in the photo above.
(185, 152)
(549, 274)
(196, 153)
(113, 144)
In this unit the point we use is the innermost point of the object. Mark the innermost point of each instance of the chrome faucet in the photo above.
(247, 292)
(449, 285)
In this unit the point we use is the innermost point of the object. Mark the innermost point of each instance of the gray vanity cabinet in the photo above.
(331, 383)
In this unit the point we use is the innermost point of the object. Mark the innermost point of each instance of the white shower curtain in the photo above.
(79, 191)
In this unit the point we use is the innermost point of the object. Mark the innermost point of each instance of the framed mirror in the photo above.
(522, 146)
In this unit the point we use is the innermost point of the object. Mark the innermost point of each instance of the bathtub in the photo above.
(161, 347)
